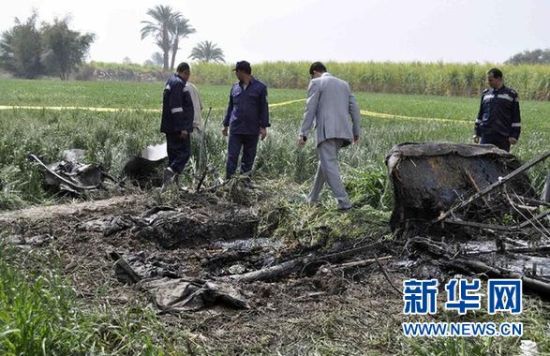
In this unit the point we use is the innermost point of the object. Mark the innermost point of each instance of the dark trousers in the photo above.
(246, 143)
(497, 140)
(179, 151)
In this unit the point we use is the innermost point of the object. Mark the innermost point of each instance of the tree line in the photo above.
(28, 50)
(536, 56)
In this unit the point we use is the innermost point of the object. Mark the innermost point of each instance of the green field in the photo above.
(112, 137)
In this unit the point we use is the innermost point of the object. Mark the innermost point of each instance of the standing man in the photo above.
(330, 104)
(498, 121)
(247, 118)
(177, 123)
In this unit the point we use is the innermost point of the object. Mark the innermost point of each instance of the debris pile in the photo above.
(70, 175)
(146, 168)
(478, 186)
(469, 209)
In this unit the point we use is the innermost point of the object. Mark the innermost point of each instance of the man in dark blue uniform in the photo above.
(498, 121)
(177, 122)
(247, 118)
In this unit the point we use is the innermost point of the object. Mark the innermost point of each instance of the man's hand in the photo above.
(301, 141)
(263, 133)
(476, 138)
(512, 140)
(355, 139)
(224, 131)
(184, 134)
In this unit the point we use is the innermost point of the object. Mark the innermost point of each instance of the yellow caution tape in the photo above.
(373, 114)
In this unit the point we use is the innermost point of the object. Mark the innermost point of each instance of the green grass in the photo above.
(124, 95)
(40, 314)
(112, 137)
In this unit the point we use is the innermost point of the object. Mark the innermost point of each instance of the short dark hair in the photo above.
(318, 67)
(243, 66)
(182, 67)
(495, 72)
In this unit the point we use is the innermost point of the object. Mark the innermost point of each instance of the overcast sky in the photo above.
(341, 30)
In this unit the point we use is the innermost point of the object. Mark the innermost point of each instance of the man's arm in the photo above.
(264, 109)
(313, 94)
(477, 127)
(516, 120)
(355, 115)
(264, 114)
(229, 110)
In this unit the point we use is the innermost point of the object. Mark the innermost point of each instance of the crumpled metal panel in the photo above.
(428, 178)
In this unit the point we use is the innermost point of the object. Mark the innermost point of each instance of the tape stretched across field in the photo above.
(377, 115)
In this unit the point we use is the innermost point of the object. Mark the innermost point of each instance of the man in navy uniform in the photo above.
(247, 119)
(498, 121)
(177, 122)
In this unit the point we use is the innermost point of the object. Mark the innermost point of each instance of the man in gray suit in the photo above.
(330, 104)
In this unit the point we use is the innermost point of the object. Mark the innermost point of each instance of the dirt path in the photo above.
(50, 212)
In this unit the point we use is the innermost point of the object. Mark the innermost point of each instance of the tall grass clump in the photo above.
(41, 315)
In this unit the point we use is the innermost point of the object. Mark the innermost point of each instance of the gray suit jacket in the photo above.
(330, 104)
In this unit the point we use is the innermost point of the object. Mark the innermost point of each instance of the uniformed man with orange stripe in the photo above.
(499, 120)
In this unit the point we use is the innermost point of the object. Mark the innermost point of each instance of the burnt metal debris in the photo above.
(470, 209)
(70, 175)
(485, 258)
(146, 168)
(172, 293)
(467, 186)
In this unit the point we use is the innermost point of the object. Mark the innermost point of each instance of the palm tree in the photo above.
(180, 29)
(207, 51)
(159, 28)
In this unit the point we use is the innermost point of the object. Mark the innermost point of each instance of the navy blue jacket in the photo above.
(247, 110)
(177, 107)
(499, 113)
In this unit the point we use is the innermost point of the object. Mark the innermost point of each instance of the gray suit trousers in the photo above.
(329, 171)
